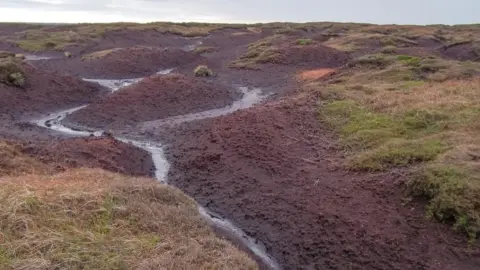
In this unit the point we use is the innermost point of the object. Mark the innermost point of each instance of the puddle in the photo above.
(254, 246)
(32, 57)
(251, 96)
(159, 160)
(52, 121)
(192, 47)
(114, 85)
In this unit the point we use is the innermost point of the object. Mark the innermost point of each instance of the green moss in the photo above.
(375, 60)
(409, 60)
(380, 141)
(398, 152)
(452, 194)
(304, 41)
(11, 73)
(424, 122)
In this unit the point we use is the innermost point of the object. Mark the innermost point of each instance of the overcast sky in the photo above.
(373, 11)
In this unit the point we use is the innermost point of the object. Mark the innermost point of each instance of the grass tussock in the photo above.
(5, 54)
(260, 52)
(206, 49)
(304, 41)
(92, 219)
(203, 71)
(59, 37)
(11, 72)
(400, 111)
(99, 55)
(13, 162)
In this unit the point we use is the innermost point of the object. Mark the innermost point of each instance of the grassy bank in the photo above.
(92, 219)
(401, 111)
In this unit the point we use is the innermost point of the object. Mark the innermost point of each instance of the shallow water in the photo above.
(32, 57)
(250, 98)
(192, 47)
(115, 85)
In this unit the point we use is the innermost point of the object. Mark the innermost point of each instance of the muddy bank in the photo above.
(103, 152)
(121, 63)
(318, 56)
(44, 92)
(155, 97)
(277, 172)
(124, 38)
(469, 51)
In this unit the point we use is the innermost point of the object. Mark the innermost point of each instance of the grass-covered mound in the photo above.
(93, 219)
(402, 111)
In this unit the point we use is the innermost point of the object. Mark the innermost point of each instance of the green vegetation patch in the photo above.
(206, 49)
(304, 41)
(453, 195)
(380, 141)
(203, 71)
(419, 113)
(11, 73)
(259, 52)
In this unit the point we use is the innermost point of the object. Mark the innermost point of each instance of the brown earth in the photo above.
(124, 38)
(104, 152)
(276, 171)
(318, 56)
(155, 97)
(315, 74)
(45, 92)
(468, 51)
(133, 62)
(273, 169)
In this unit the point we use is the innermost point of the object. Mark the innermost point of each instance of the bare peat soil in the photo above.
(155, 97)
(276, 171)
(45, 92)
(132, 62)
(463, 52)
(103, 152)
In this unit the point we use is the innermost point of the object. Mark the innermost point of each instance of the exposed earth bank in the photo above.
(104, 152)
(277, 172)
(155, 97)
(121, 63)
(45, 92)
(274, 169)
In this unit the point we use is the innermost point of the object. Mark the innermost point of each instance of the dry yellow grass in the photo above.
(449, 94)
(401, 110)
(99, 54)
(13, 162)
(350, 42)
(93, 219)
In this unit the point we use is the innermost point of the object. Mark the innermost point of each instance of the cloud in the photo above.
(375, 11)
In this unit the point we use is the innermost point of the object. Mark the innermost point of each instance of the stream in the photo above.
(250, 97)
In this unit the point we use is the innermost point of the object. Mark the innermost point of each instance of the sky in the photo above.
(243, 11)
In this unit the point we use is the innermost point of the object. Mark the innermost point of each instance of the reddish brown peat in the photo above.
(104, 152)
(132, 62)
(276, 171)
(45, 92)
(154, 98)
